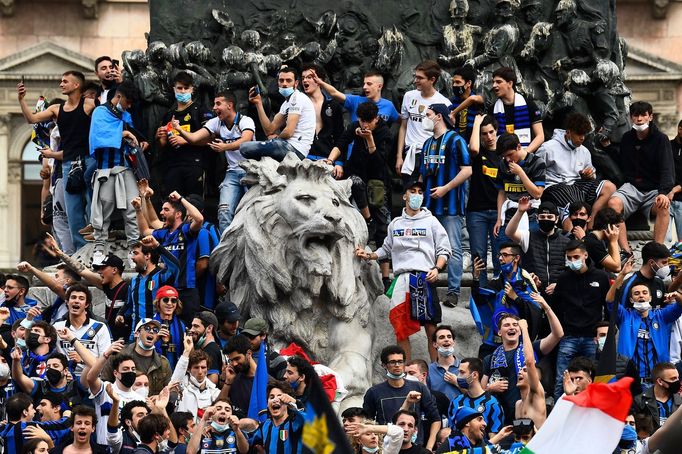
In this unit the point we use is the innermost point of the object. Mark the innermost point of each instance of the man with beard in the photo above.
(203, 332)
(470, 432)
(62, 279)
(91, 333)
(176, 235)
(282, 431)
(256, 330)
(55, 381)
(218, 432)
(238, 385)
(83, 422)
(147, 359)
(109, 75)
(124, 378)
(144, 257)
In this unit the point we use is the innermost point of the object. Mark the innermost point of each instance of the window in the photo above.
(30, 164)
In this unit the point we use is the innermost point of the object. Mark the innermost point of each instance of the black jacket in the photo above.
(332, 128)
(361, 162)
(646, 403)
(579, 300)
(546, 256)
(648, 164)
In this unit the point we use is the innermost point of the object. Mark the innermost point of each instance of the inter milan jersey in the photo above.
(665, 409)
(178, 242)
(282, 439)
(219, 443)
(645, 352)
(512, 185)
(485, 404)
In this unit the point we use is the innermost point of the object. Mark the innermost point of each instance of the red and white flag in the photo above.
(588, 423)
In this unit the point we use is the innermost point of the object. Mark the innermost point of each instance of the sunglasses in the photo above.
(169, 300)
(151, 329)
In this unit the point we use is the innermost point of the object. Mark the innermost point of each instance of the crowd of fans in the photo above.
(171, 365)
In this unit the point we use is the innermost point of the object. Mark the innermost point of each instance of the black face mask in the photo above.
(546, 225)
(32, 341)
(673, 386)
(128, 379)
(579, 223)
(53, 376)
(458, 91)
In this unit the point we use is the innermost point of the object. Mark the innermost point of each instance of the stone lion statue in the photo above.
(288, 257)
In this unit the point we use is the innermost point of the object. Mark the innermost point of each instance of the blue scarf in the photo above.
(499, 359)
(421, 300)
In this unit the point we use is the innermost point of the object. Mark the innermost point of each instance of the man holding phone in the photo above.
(569, 175)
(109, 76)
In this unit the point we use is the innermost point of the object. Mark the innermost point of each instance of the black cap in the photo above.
(414, 182)
(548, 208)
(444, 111)
(109, 260)
(227, 312)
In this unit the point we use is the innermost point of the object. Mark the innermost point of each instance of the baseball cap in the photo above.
(464, 415)
(208, 318)
(414, 182)
(166, 292)
(255, 326)
(548, 208)
(227, 311)
(444, 111)
(146, 321)
(109, 260)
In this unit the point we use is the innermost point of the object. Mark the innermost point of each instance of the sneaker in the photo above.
(89, 237)
(466, 261)
(97, 258)
(86, 230)
(451, 300)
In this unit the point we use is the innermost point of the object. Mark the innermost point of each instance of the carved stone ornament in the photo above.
(90, 9)
(7, 7)
(659, 8)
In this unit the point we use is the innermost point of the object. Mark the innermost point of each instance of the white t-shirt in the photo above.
(102, 401)
(304, 134)
(230, 134)
(94, 335)
(414, 110)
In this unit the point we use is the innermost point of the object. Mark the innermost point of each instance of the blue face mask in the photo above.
(218, 427)
(575, 265)
(570, 144)
(462, 383)
(144, 347)
(286, 92)
(414, 438)
(507, 268)
(370, 450)
(415, 201)
(294, 385)
(183, 98)
(394, 376)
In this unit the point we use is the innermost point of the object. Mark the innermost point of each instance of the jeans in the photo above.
(453, 227)
(676, 213)
(88, 172)
(60, 221)
(277, 149)
(231, 192)
(480, 227)
(75, 210)
(571, 347)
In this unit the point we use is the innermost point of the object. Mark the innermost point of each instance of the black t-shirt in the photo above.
(117, 296)
(508, 398)
(596, 249)
(361, 162)
(213, 351)
(191, 119)
(240, 393)
(485, 181)
(677, 159)
(415, 449)
(535, 170)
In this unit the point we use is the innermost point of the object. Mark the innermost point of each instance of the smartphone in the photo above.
(115, 63)
(474, 257)
(23, 80)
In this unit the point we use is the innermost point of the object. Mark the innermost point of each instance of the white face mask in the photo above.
(196, 382)
(663, 271)
(4, 371)
(142, 391)
(427, 124)
(601, 342)
(641, 306)
(447, 352)
(641, 128)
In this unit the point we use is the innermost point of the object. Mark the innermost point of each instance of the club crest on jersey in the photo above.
(151, 285)
(422, 108)
(283, 434)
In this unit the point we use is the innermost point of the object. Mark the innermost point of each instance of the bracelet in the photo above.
(73, 341)
(180, 199)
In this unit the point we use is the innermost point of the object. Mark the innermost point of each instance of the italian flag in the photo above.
(399, 314)
(588, 423)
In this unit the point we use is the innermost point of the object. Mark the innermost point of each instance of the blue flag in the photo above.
(259, 397)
